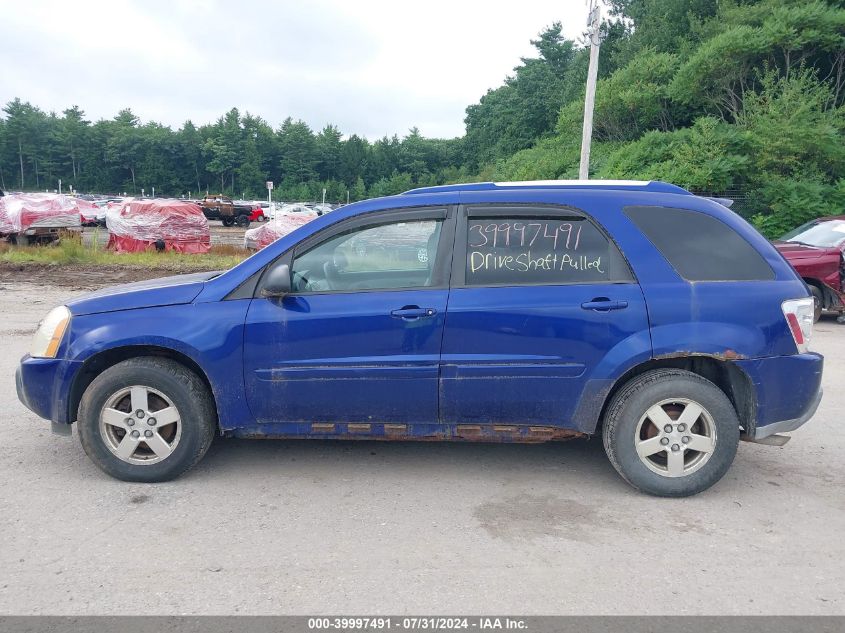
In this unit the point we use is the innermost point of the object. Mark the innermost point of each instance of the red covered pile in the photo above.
(19, 212)
(87, 211)
(258, 238)
(174, 225)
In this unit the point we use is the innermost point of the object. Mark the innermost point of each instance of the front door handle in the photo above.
(601, 304)
(413, 312)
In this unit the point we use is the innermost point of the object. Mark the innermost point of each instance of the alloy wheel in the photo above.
(675, 437)
(140, 425)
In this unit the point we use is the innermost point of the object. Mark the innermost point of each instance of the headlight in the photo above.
(45, 344)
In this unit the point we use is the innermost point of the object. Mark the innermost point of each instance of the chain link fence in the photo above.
(743, 200)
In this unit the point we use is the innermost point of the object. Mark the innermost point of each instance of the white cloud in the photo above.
(372, 67)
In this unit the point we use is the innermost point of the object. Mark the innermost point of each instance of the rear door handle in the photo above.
(413, 312)
(604, 305)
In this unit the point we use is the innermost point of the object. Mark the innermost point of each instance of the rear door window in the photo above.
(700, 247)
(510, 247)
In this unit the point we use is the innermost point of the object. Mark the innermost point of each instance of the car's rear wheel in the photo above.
(146, 419)
(242, 221)
(671, 433)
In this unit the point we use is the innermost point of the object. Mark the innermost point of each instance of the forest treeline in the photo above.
(713, 95)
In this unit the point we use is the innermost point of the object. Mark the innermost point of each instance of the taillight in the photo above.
(799, 314)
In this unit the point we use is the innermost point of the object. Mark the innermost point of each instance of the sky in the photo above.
(371, 67)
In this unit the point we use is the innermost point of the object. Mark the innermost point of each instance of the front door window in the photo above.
(379, 257)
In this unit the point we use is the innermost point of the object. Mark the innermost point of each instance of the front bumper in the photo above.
(44, 385)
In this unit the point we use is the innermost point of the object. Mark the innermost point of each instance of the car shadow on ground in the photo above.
(584, 457)
(577, 467)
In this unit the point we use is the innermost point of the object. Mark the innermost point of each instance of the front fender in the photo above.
(210, 334)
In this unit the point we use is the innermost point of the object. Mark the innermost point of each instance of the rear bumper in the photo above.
(785, 426)
(788, 391)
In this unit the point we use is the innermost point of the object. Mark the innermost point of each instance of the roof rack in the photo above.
(625, 185)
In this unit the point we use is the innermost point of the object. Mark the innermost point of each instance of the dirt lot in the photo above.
(71, 278)
(366, 528)
(220, 235)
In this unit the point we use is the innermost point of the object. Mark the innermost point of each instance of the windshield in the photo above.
(822, 234)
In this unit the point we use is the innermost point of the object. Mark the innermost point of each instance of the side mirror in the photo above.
(277, 283)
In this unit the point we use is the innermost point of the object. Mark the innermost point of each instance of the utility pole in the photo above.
(594, 32)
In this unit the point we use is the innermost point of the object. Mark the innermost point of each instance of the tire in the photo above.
(172, 392)
(242, 221)
(228, 221)
(629, 430)
(818, 303)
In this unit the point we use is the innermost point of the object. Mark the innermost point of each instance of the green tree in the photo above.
(662, 25)
(4, 148)
(358, 190)
(24, 134)
(298, 149)
(159, 153)
(384, 157)
(396, 184)
(328, 148)
(221, 159)
(250, 174)
(512, 116)
(71, 137)
(354, 159)
(222, 149)
(123, 147)
(191, 149)
(635, 99)
(784, 36)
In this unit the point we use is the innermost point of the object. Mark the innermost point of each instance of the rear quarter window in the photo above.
(700, 247)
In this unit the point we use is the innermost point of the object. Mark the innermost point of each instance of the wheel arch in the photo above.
(105, 359)
(732, 380)
(815, 283)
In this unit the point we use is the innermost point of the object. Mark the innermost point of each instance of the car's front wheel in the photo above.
(146, 419)
(671, 433)
(818, 303)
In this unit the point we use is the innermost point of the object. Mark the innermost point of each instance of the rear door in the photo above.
(540, 297)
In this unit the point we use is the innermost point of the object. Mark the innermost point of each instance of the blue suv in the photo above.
(503, 312)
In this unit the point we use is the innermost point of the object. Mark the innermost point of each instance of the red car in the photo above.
(817, 251)
(257, 215)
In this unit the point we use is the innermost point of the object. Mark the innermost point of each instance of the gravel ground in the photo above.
(279, 527)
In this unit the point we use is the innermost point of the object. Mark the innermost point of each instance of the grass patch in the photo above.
(71, 251)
